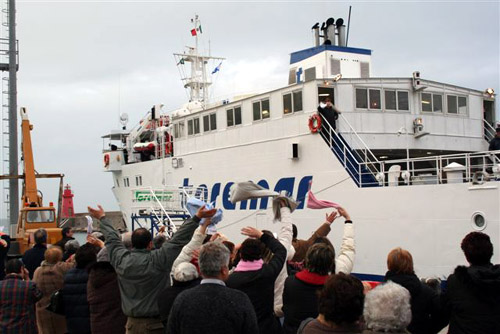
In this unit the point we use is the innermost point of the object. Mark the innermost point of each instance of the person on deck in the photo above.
(142, 272)
(495, 142)
(329, 113)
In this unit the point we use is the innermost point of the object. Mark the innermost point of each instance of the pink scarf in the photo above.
(249, 265)
(313, 203)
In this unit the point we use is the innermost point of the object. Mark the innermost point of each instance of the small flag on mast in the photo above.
(199, 29)
(193, 32)
(181, 61)
(217, 68)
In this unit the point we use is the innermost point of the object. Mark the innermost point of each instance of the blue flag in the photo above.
(217, 68)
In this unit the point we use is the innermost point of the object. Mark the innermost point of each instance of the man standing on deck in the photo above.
(329, 113)
(495, 142)
(142, 272)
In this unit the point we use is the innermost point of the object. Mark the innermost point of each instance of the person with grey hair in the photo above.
(70, 248)
(211, 307)
(127, 240)
(33, 257)
(387, 309)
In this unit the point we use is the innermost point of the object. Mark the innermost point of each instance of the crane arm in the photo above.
(30, 190)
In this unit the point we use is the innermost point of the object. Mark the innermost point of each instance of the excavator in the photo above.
(33, 214)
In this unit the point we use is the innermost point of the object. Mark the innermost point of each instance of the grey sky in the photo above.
(77, 56)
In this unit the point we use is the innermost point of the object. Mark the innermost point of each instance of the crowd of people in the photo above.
(195, 282)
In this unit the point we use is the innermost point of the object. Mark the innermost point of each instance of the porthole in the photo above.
(478, 221)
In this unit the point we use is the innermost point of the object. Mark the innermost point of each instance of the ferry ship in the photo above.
(408, 157)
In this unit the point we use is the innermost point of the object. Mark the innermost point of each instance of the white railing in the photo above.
(474, 167)
(489, 131)
(355, 156)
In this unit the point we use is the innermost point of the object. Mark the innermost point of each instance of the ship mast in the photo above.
(196, 81)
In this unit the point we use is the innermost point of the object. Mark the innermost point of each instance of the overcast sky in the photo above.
(83, 62)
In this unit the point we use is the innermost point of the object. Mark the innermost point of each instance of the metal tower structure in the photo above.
(9, 65)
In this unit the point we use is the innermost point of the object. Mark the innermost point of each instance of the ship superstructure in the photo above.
(408, 157)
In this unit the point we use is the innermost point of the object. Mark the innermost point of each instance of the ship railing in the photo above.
(152, 200)
(475, 167)
(358, 160)
(489, 131)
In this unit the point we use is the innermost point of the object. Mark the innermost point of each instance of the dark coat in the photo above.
(61, 243)
(427, 315)
(3, 255)
(33, 258)
(300, 299)
(259, 286)
(212, 308)
(472, 300)
(76, 307)
(494, 144)
(330, 114)
(103, 295)
(167, 297)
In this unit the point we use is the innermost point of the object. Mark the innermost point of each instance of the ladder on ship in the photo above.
(357, 159)
(165, 206)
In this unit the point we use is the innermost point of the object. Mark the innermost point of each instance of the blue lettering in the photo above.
(302, 191)
(215, 192)
(263, 201)
(285, 184)
(225, 197)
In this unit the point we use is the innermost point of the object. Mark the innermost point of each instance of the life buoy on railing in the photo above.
(314, 123)
(106, 160)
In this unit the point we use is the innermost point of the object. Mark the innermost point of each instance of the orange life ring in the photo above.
(314, 123)
(106, 160)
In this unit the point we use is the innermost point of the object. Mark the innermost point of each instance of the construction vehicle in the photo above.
(33, 214)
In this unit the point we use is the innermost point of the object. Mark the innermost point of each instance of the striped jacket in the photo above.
(17, 305)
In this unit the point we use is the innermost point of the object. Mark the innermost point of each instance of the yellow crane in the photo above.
(33, 214)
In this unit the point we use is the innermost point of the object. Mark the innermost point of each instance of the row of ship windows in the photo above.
(126, 181)
(292, 102)
(371, 99)
(366, 98)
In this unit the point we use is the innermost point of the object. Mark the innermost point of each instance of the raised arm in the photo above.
(195, 243)
(345, 260)
(166, 255)
(113, 243)
(274, 266)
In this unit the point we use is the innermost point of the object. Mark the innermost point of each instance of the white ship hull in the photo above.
(428, 220)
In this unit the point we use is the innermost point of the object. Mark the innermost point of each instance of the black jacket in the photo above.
(33, 258)
(259, 286)
(300, 299)
(76, 307)
(472, 300)
(427, 316)
(330, 114)
(167, 297)
(3, 255)
(494, 144)
(61, 243)
(212, 308)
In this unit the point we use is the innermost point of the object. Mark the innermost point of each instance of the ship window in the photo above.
(209, 122)
(292, 77)
(396, 100)
(456, 104)
(364, 68)
(390, 99)
(261, 110)
(138, 180)
(193, 126)
(117, 181)
(335, 66)
(403, 103)
(361, 98)
(179, 130)
(437, 103)
(287, 103)
(126, 182)
(292, 102)
(233, 116)
(431, 102)
(374, 99)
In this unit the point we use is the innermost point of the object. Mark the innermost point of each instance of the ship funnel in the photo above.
(330, 31)
(341, 32)
(316, 33)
